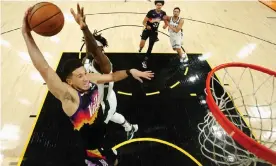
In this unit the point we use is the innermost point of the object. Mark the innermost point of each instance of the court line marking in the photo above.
(175, 84)
(153, 93)
(232, 100)
(80, 55)
(186, 71)
(159, 141)
(36, 119)
(193, 94)
(124, 93)
(189, 19)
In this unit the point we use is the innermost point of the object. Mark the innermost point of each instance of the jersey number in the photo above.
(155, 25)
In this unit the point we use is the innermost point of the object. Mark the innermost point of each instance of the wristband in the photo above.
(128, 72)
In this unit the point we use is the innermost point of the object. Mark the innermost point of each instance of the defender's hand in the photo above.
(139, 74)
(79, 17)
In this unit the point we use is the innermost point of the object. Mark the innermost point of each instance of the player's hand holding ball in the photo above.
(25, 26)
(139, 74)
(148, 27)
(44, 18)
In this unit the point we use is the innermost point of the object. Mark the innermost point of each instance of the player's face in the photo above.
(158, 6)
(79, 79)
(176, 13)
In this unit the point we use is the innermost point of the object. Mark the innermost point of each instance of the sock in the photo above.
(184, 55)
(120, 119)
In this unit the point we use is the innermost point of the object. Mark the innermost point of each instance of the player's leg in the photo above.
(142, 44)
(118, 118)
(129, 128)
(144, 37)
(173, 43)
(157, 39)
(183, 53)
(152, 40)
(176, 42)
(183, 56)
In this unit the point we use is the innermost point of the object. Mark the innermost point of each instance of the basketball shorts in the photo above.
(112, 100)
(176, 40)
(100, 157)
(149, 34)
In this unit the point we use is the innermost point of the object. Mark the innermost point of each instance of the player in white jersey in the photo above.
(107, 95)
(176, 34)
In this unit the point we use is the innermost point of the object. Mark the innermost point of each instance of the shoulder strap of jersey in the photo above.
(178, 20)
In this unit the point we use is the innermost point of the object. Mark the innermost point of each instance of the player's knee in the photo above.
(142, 43)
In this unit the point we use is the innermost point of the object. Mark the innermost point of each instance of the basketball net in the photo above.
(240, 126)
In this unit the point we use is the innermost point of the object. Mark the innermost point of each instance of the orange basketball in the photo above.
(46, 19)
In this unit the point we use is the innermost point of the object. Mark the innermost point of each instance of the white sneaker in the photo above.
(181, 60)
(184, 58)
(144, 64)
(130, 134)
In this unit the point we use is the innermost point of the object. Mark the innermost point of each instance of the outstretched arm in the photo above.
(91, 45)
(93, 50)
(55, 85)
(120, 75)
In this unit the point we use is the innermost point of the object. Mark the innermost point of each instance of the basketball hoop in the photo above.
(240, 128)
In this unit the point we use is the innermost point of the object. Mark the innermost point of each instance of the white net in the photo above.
(248, 99)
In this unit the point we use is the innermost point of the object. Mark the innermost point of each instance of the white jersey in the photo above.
(107, 96)
(174, 24)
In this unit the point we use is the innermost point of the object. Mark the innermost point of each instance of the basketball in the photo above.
(46, 19)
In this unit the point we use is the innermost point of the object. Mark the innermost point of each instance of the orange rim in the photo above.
(248, 143)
